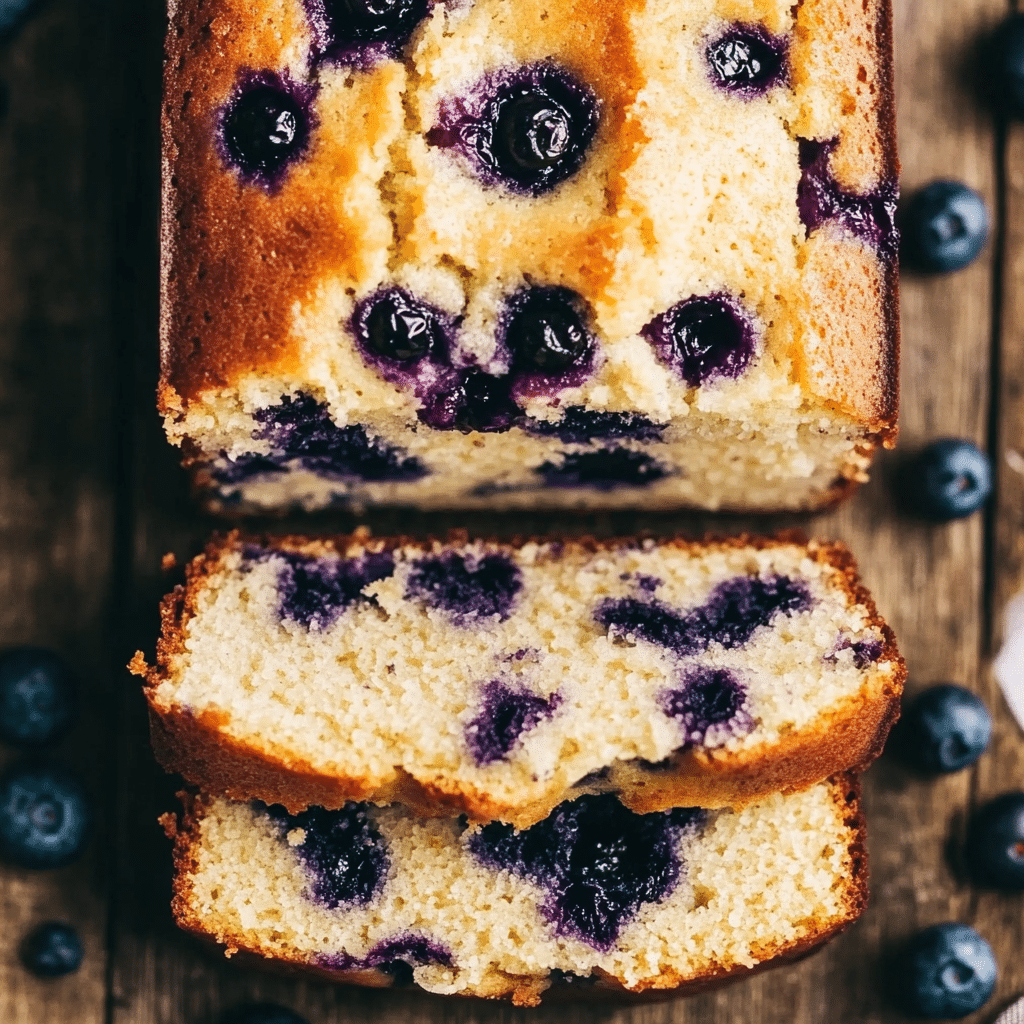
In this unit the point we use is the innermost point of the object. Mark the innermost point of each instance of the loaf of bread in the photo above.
(595, 896)
(585, 253)
(500, 679)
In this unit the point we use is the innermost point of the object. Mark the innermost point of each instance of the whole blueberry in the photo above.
(995, 843)
(545, 329)
(945, 971)
(949, 479)
(264, 128)
(45, 816)
(1006, 65)
(262, 1013)
(746, 60)
(946, 728)
(945, 227)
(13, 13)
(38, 697)
(397, 326)
(52, 950)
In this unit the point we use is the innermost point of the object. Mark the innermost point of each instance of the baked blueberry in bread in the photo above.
(465, 253)
(592, 900)
(500, 679)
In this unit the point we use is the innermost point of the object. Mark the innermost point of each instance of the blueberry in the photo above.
(946, 971)
(545, 329)
(45, 816)
(604, 469)
(13, 13)
(38, 697)
(1007, 65)
(483, 403)
(995, 843)
(746, 60)
(949, 479)
(468, 588)
(946, 728)
(945, 227)
(708, 697)
(504, 715)
(261, 1013)
(395, 325)
(51, 950)
(373, 21)
(702, 338)
(580, 425)
(264, 127)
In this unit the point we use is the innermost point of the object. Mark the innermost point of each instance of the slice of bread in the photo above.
(595, 896)
(499, 679)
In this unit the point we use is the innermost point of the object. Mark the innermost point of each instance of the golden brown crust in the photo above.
(528, 991)
(196, 746)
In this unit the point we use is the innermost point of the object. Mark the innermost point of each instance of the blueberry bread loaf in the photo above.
(500, 679)
(594, 896)
(489, 254)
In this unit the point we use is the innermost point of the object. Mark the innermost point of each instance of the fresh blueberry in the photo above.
(545, 329)
(746, 60)
(1007, 65)
(949, 479)
(995, 843)
(946, 971)
(51, 950)
(702, 338)
(261, 1013)
(13, 13)
(45, 816)
(945, 227)
(395, 325)
(946, 728)
(390, 22)
(264, 127)
(38, 697)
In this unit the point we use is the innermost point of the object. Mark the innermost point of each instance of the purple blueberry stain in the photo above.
(343, 851)
(469, 588)
(747, 60)
(710, 704)
(704, 338)
(605, 469)
(580, 425)
(524, 129)
(820, 199)
(731, 614)
(361, 33)
(596, 861)
(302, 435)
(864, 652)
(265, 126)
(313, 592)
(504, 715)
(399, 955)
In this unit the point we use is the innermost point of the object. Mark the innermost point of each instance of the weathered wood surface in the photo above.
(91, 497)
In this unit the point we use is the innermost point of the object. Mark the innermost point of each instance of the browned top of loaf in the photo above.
(183, 830)
(235, 259)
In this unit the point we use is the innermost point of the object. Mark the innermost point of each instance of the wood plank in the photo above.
(56, 468)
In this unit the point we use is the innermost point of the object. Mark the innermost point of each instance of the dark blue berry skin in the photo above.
(1006, 67)
(468, 588)
(945, 226)
(949, 479)
(13, 14)
(545, 330)
(605, 469)
(505, 714)
(261, 1013)
(995, 843)
(265, 127)
(703, 338)
(395, 325)
(52, 950)
(343, 851)
(946, 728)
(747, 60)
(946, 971)
(597, 862)
(45, 816)
(38, 697)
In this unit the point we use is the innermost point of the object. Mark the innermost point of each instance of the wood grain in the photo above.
(91, 498)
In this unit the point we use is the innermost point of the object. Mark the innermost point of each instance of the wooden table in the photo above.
(91, 497)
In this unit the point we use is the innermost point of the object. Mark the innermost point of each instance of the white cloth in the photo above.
(1014, 1015)
(1009, 664)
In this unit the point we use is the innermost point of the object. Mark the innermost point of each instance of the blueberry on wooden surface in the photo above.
(38, 697)
(944, 729)
(261, 1013)
(13, 14)
(946, 971)
(45, 816)
(949, 479)
(52, 950)
(945, 227)
(995, 843)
